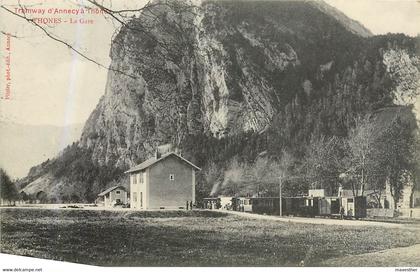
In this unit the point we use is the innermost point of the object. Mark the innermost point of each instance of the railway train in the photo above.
(306, 206)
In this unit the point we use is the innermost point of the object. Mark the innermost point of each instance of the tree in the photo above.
(233, 180)
(258, 173)
(402, 69)
(24, 196)
(325, 161)
(382, 148)
(416, 184)
(285, 168)
(261, 177)
(361, 156)
(397, 149)
(8, 190)
(210, 181)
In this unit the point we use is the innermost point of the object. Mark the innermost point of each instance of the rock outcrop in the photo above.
(206, 69)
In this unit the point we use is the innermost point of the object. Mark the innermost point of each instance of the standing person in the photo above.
(342, 212)
(187, 205)
(191, 205)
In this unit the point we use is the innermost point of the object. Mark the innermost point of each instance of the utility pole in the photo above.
(280, 193)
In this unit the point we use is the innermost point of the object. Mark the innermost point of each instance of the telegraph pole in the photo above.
(280, 193)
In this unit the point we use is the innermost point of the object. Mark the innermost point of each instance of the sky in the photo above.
(52, 85)
(383, 16)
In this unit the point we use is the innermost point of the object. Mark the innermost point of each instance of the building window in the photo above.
(141, 178)
(171, 177)
(118, 192)
(133, 178)
(135, 197)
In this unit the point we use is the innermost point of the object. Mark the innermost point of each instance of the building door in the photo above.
(141, 199)
(335, 206)
(386, 203)
(134, 201)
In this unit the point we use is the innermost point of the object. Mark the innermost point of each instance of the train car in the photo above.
(310, 207)
(354, 206)
(329, 206)
(225, 202)
(266, 205)
(242, 204)
(292, 205)
(212, 203)
(307, 206)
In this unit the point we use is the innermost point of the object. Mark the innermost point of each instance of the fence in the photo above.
(410, 213)
(380, 213)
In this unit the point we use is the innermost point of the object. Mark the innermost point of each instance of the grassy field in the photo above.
(185, 238)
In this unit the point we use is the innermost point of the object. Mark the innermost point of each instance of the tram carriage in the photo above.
(354, 206)
(211, 203)
(296, 206)
(266, 205)
(329, 206)
(242, 204)
(311, 206)
(307, 206)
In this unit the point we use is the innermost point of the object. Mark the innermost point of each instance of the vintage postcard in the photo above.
(217, 133)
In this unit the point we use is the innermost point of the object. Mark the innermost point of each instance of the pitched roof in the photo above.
(110, 190)
(149, 162)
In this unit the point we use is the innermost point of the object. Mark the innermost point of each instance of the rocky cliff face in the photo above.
(219, 69)
(208, 69)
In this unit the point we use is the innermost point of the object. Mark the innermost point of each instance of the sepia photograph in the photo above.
(209, 134)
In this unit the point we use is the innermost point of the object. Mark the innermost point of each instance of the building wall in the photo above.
(138, 190)
(122, 196)
(405, 199)
(106, 201)
(316, 192)
(133, 190)
(111, 198)
(416, 198)
(163, 192)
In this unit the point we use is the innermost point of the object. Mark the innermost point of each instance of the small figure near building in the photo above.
(342, 212)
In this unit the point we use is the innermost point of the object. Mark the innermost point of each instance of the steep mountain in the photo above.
(230, 78)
